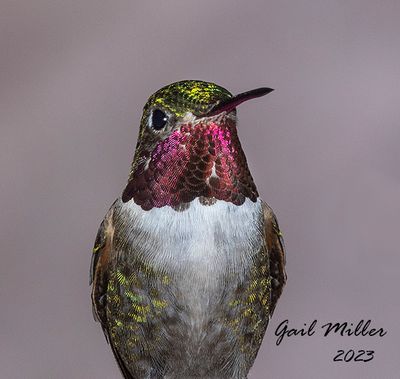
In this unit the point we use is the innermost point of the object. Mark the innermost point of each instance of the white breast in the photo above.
(202, 239)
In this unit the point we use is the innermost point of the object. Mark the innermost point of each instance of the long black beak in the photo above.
(233, 102)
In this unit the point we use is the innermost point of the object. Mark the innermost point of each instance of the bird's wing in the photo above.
(102, 260)
(99, 268)
(276, 251)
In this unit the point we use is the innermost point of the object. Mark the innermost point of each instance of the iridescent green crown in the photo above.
(193, 96)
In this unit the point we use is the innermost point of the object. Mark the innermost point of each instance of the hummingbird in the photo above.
(189, 262)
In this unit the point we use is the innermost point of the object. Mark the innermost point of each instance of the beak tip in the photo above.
(266, 91)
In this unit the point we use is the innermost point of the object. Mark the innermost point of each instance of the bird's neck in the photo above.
(202, 160)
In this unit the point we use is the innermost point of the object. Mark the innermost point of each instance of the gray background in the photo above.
(323, 149)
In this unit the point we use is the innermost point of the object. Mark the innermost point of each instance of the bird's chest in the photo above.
(178, 275)
(198, 244)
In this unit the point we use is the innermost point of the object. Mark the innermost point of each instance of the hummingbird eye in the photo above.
(158, 119)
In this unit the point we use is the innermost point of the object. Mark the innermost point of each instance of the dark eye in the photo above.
(158, 119)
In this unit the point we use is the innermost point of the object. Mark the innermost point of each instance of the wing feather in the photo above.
(100, 268)
(101, 259)
(276, 251)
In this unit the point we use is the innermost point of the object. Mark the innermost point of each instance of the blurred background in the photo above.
(323, 149)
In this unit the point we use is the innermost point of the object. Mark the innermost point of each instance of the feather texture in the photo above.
(187, 294)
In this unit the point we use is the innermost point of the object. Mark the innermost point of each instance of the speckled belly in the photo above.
(201, 309)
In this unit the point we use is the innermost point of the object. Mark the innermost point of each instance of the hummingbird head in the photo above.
(188, 147)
